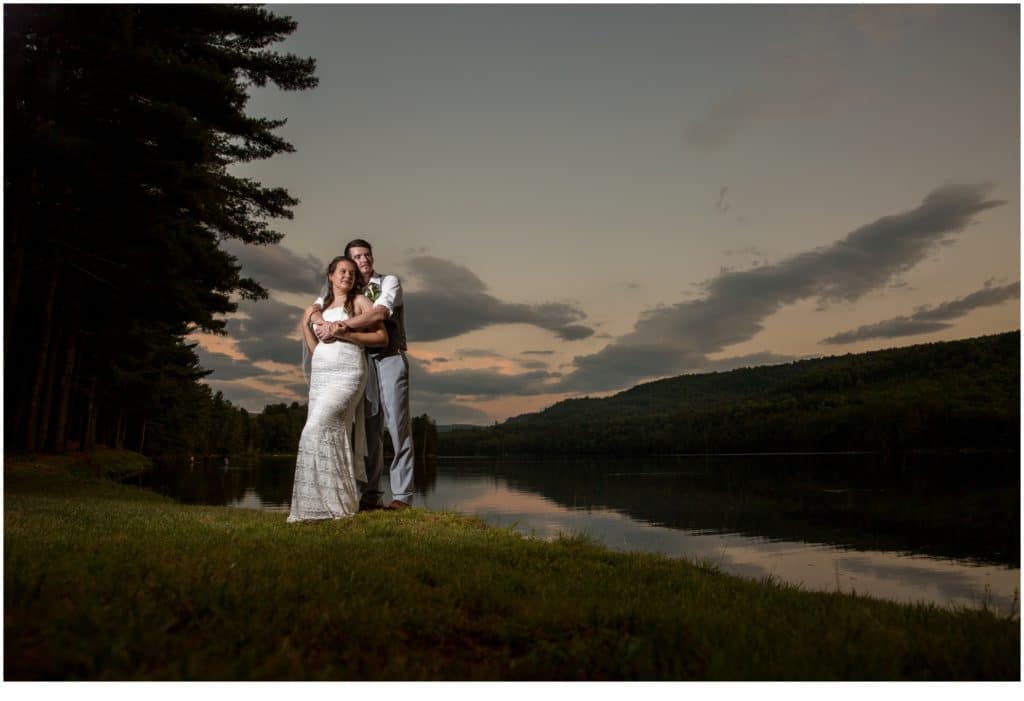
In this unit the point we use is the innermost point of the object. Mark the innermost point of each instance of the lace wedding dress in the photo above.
(333, 442)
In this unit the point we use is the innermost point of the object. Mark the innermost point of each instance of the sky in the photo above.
(581, 198)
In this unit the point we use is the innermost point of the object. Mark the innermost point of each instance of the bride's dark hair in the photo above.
(350, 298)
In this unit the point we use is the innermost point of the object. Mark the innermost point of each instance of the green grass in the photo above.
(104, 581)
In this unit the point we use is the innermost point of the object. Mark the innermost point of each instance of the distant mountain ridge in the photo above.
(945, 395)
(444, 428)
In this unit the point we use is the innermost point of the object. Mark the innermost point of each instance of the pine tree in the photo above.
(121, 123)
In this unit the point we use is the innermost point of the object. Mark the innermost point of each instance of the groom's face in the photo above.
(363, 259)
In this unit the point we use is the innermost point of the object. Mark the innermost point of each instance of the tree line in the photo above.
(947, 396)
(217, 427)
(121, 123)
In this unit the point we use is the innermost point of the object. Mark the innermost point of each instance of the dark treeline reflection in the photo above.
(267, 479)
(960, 507)
(217, 482)
(957, 507)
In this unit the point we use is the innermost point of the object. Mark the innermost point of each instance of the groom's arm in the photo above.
(315, 311)
(376, 315)
(323, 330)
(372, 337)
(383, 306)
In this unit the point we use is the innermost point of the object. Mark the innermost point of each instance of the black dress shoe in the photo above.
(366, 506)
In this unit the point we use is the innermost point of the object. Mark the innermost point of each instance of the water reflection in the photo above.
(259, 483)
(889, 575)
(945, 507)
(944, 532)
(252, 499)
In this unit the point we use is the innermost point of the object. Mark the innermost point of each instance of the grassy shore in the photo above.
(104, 581)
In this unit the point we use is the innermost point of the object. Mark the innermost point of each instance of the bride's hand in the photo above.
(325, 331)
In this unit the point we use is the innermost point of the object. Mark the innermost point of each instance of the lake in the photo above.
(944, 530)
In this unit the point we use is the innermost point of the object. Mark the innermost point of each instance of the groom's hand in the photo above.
(341, 330)
(313, 314)
(325, 331)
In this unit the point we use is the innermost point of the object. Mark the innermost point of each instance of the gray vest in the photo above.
(395, 326)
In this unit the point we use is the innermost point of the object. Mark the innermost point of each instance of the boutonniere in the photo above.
(372, 291)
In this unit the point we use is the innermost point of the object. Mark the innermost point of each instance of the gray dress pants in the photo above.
(391, 375)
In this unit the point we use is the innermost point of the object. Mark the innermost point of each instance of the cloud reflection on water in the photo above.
(252, 499)
(813, 567)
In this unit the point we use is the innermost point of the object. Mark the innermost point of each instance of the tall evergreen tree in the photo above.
(121, 123)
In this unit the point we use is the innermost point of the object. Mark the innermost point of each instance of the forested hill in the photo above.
(939, 396)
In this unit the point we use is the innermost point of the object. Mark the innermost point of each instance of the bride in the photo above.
(328, 466)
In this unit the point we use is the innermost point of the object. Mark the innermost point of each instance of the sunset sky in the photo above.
(581, 198)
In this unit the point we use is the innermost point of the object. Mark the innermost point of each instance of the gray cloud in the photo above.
(434, 393)
(452, 301)
(251, 398)
(301, 389)
(478, 353)
(728, 116)
(723, 205)
(929, 319)
(724, 118)
(538, 352)
(276, 348)
(225, 368)
(671, 339)
(265, 317)
(533, 364)
(745, 361)
(270, 332)
(480, 383)
(484, 383)
(748, 251)
(278, 268)
(444, 411)
(228, 375)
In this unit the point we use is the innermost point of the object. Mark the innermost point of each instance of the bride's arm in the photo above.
(307, 333)
(372, 336)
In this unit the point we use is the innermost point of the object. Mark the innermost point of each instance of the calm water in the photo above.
(945, 531)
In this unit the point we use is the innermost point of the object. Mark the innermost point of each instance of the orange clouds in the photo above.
(225, 345)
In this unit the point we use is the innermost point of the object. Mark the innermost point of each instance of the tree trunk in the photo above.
(60, 436)
(46, 414)
(89, 439)
(16, 262)
(32, 430)
(119, 430)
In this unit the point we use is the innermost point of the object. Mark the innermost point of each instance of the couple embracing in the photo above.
(358, 385)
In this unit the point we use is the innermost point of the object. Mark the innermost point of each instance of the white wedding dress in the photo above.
(333, 442)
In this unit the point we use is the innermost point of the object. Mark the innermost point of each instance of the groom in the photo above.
(387, 380)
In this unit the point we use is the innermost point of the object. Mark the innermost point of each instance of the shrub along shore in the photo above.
(105, 581)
